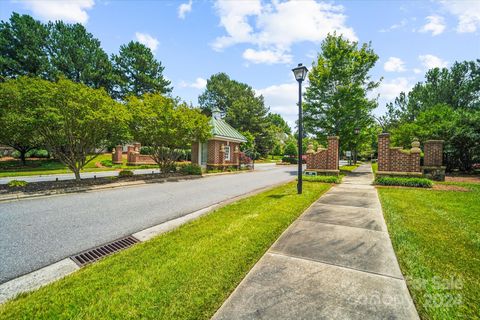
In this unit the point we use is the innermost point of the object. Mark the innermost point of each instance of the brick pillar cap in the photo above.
(384, 134)
(333, 138)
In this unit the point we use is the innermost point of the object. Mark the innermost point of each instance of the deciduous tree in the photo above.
(18, 124)
(76, 123)
(336, 101)
(166, 126)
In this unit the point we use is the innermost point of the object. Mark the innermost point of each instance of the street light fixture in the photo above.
(300, 73)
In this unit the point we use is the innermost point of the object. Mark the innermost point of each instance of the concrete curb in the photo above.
(23, 195)
(36, 279)
(62, 268)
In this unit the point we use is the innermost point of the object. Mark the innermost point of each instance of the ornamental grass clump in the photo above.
(17, 183)
(404, 182)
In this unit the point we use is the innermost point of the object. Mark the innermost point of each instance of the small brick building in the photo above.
(222, 150)
(323, 160)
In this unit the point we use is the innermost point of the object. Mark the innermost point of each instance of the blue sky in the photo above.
(258, 42)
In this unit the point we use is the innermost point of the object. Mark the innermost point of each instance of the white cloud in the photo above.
(400, 25)
(66, 10)
(266, 56)
(276, 26)
(435, 25)
(467, 13)
(390, 89)
(282, 99)
(147, 40)
(394, 64)
(184, 8)
(199, 83)
(430, 61)
(417, 71)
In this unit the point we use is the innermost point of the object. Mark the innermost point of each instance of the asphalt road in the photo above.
(39, 231)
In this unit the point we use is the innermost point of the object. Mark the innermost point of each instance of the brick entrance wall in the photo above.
(391, 159)
(324, 160)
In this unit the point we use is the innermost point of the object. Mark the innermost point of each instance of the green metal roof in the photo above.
(223, 130)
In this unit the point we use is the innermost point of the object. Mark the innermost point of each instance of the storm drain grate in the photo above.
(102, 251)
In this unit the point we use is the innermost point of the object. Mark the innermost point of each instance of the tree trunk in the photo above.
(77, 174)
(23, 154)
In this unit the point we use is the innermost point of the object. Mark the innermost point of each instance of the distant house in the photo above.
(222, 150)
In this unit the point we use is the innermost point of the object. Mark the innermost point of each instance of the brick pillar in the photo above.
(383, 151)
(236, 155)
(137, 146)
(131, 156)
(117, 154)
(415, 157)
(222, 155)
(433, 150)
(194, 155)
(332, 153)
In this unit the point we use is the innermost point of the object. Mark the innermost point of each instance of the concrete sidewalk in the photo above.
(335, 262)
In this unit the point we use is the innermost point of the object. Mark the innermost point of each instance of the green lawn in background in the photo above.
(349, 168)
(49, 166)
(184, 274)
(436, 236)
(375, 167)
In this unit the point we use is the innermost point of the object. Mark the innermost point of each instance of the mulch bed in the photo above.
(469, 179)
(35, 187)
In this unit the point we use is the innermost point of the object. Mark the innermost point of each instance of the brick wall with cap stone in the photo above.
(395, 159)
(324, 160)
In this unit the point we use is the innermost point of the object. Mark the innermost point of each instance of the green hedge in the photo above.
(125, 173)
(404, 182)
(192, 169)
(325, 179)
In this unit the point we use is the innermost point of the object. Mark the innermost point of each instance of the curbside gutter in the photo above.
(58, 270)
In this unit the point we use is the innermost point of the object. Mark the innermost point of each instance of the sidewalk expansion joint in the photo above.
(341, 225)
(278, 253)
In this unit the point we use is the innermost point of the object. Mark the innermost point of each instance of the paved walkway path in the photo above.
(335, 262)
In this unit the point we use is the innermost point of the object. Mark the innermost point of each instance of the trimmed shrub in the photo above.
(125, 174)
(17, 183)
(290, 160)
(106, 163)
(146, 150)
(324, 179)
(404, 182)
(191, 169)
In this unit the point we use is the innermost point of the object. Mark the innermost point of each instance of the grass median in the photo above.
(184, 274)
(436, 236)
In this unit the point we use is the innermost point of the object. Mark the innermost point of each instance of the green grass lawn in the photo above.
(349, 168)
(184, 274)
(38, 167)
(436, 236)
(375, 167)
(269, 159)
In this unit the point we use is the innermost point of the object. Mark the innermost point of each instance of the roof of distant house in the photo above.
(221, 129)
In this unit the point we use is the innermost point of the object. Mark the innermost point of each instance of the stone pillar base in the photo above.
(434, 173)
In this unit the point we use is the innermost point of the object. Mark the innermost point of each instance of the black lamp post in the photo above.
(300, 73)
(356, 131)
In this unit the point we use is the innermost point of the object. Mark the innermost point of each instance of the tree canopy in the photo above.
(244, 110)
(137, 72)
(166, 126)
(336, 101)
(446, 106)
